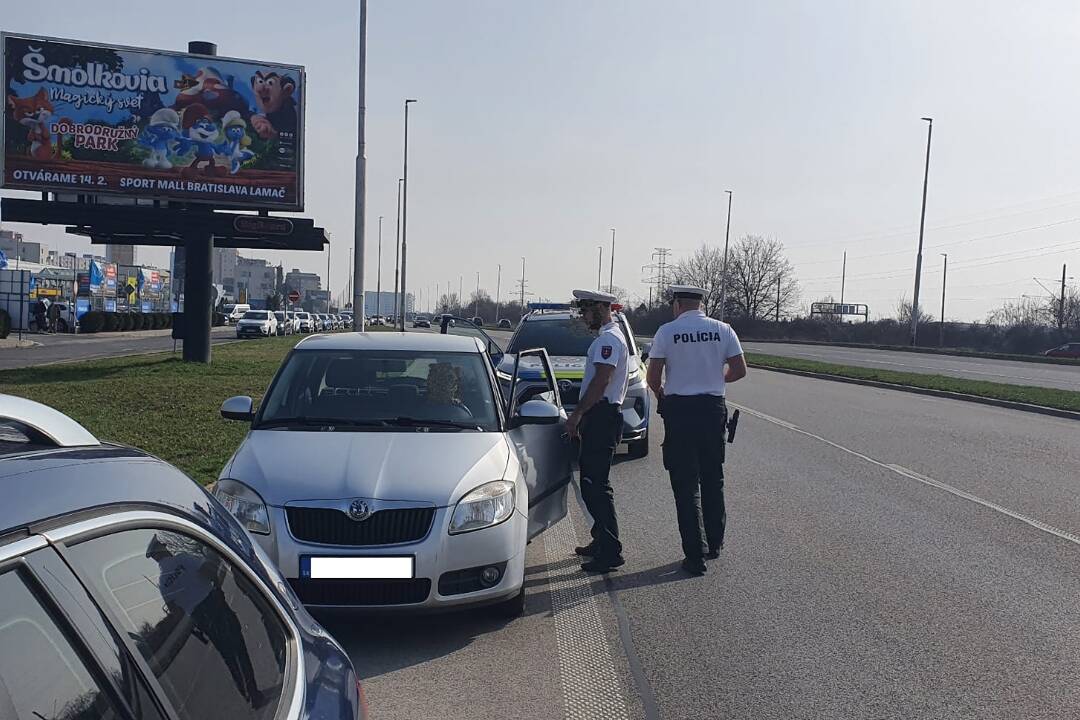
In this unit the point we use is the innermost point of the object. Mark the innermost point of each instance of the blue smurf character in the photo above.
(159, 137)
(200, 132)
(234, 149)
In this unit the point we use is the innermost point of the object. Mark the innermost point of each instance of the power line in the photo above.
(659, 270)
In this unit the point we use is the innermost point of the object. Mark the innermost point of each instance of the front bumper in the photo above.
(436, 555)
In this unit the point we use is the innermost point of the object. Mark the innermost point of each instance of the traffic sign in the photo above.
(294, 296)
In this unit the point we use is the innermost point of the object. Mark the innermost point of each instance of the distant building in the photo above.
(303, 282)
(120, 254)
(255, 278)
(16, 247)
(223, 266)
(71, 261)
(380, 303)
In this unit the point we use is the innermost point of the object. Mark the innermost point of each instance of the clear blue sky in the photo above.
(543, 124)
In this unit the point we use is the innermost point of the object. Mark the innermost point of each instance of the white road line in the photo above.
(929, 481)
(591, 688)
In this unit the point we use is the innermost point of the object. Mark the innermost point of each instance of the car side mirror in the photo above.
(238, 408)
(645, 350)
(536, 412)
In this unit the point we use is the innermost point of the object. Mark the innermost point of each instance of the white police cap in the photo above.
(687, 292)
(592, 296)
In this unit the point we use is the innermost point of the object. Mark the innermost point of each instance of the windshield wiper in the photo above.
(318, 422)
(418, 422)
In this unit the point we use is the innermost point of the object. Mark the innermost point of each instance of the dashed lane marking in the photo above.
(591, 688)
(929, 481)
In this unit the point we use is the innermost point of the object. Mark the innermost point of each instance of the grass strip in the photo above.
(1046, 397)
(956, 352)
(158, 403)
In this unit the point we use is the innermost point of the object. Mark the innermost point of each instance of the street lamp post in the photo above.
(599, 266)
(476, 299)
(361, 182)
(723, 276)
(522, 283)
(498, 289)
(397, 249)
(378, 277)
(405, 215)
(922, 226)
(941, 324)
(611, 271)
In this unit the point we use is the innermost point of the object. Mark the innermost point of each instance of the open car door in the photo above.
(537, 429)
(461, 326)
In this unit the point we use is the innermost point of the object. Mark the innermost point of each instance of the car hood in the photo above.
(424, 467)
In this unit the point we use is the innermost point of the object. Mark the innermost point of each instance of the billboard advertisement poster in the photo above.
(106, 119)
(110, 305)
(82, 306)
(146, 306)
(109, 270)
(97, 276)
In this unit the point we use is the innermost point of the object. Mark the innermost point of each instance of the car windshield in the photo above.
(565, 336)
(381, 389)
(254, 315)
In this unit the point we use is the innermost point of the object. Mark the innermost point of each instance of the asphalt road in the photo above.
(1014, 372)
(889, 556)
(66, 348)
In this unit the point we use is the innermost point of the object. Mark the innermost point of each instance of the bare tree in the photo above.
(757, 268)
(1022, 312)
(903, 312)
(705, 269)
(1067, 316)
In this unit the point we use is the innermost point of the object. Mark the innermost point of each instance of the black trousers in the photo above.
(695, 429)
(600, 430)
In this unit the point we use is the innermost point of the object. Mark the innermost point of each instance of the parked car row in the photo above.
(268, 323)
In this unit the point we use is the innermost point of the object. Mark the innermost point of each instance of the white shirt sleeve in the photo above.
(607, 351)
(734, 346)
(659, 344)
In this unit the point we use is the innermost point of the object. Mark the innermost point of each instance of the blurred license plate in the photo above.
(358, 568)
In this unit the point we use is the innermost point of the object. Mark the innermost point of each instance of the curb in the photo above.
(1008, 404)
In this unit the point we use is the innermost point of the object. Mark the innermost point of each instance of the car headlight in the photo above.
(487, 505)
(244, 504)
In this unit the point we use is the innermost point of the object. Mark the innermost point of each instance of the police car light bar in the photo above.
(549, 306)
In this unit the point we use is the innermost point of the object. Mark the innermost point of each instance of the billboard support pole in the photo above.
(198, 250)
(361, 183)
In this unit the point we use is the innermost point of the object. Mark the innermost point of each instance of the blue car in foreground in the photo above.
(127, 591)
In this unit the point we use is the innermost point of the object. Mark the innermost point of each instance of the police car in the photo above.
(558, 329)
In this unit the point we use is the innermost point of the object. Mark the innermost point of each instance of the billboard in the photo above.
(105, 119)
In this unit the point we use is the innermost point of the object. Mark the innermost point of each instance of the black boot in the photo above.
(713, 553)
(585, 550)
(694, 566)
(603, 565)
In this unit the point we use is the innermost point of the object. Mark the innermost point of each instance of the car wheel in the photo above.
(512, 608)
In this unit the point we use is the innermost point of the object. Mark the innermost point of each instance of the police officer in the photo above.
(597, 421)
(688, 375)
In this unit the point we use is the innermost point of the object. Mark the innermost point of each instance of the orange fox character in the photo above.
(35, 113)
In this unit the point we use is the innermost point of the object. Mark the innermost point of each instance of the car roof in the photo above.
(429, 342)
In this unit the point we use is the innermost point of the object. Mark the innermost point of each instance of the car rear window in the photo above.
(566, 337)
(41, 674)
(206, 631)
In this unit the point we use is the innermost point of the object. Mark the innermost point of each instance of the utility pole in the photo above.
(461, 291)
(405, 216)
(611, 272)
(328, 294)
(397, 247)
(378, 277)
(1061, 301)
(659, 269)
(843, 279)
(777, 298)
(599, 266)
(723, 277)
(498, 288)
(944, 277)
(361, 182)
(922, 226)
(476, 300)
(523, 284)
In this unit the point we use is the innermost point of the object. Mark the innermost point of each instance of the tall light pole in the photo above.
(361, 182)
(498, 289)
(611, 271)
(599, 266)
(723, 276)
(843, 281)
(378, 277)
(941, 324)
(522, 283)
(476, 299)
(461, 291)
(397, 249)
(922, 226)
(405, 215)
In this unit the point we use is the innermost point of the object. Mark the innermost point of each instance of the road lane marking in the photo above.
(929, 481)
(591, 688)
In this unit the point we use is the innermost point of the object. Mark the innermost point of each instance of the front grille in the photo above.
(333, 527)
(361, 592)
